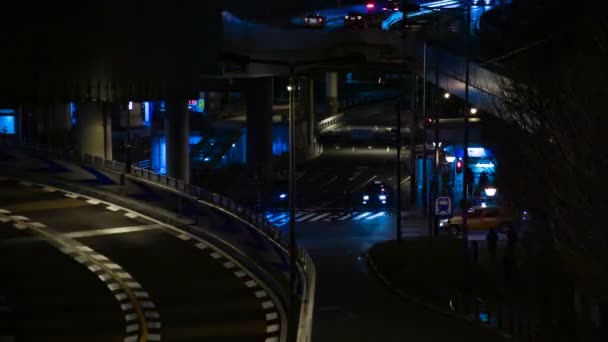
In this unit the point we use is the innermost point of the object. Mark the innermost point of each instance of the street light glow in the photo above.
(473, 110)
(289, 87)
(490, 192)
(446, 95)
(450, 159)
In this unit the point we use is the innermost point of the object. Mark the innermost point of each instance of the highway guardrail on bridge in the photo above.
(306, 267)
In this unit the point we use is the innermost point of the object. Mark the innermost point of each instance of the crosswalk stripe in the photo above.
(344, 217)
(300, 214)
(367, 213)
(278, 217)
(319, 217)
(305, 217)
(375, 215)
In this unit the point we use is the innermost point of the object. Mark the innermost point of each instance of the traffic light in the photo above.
(428, 122)
(459, 166)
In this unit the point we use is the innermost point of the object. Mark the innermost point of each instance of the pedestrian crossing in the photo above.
(279, 218)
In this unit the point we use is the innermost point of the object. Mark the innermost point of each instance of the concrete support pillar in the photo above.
(136, 117)
(94, 129)
(331, 92)
(60, 124)
(308, 102)
(177, 133)
(259, 128)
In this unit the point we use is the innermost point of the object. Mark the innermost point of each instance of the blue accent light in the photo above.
(194, 139)
(159, 154)
(279, 146)
(147, 121)
(7, 111)
(73, 112)
(7, 124)
(206, 159)
(283, 196)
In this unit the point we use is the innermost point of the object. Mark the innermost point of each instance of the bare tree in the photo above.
(556, 163)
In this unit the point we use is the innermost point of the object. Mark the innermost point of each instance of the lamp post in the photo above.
(292, 212)
(465, 184)
(293, 250)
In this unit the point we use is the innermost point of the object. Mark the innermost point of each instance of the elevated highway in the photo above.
(382, 49)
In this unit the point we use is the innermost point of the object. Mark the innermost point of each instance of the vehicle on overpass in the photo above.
(315, 20)
(355, 20)
(393, 5)
(376, 195)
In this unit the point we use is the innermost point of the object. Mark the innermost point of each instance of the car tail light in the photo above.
(370, 5)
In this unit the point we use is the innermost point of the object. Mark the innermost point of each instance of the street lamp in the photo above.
(446, 96)
(340, 61)
(490, 192)
(473, 110)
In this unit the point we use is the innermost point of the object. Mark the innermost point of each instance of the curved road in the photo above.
(80, 269)
(352, 305)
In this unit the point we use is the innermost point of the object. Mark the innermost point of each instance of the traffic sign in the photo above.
(443, 206)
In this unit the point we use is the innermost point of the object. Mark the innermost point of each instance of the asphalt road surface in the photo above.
(353, 305)
(78, 269)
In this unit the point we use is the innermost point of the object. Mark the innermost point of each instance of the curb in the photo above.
(429, 306)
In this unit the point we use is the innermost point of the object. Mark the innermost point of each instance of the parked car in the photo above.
(483, 218)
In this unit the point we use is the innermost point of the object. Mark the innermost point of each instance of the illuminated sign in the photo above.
(476, 152)
(197, 105)
(7, 124)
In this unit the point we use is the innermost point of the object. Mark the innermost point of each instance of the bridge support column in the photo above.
(259, 128)
(59, 124)
(308, 102)
(331, 92)
(177, 133)
(94, 129)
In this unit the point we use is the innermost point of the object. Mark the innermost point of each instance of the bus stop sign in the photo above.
(443, 206)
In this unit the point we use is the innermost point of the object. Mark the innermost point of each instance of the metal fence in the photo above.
(305, 264)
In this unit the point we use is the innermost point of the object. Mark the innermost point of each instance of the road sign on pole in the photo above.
(443, 206)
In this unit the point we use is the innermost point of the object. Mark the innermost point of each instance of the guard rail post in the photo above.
(305, 264)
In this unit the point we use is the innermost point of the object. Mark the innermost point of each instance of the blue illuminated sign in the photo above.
(7, 124)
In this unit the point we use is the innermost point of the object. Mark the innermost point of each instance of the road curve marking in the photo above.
(268, 304)
(118, 281)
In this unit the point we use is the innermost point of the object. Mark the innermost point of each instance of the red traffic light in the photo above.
(428, 122)
(459, 166)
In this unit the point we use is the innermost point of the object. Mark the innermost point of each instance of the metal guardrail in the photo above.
(305, 263)
(330, 123)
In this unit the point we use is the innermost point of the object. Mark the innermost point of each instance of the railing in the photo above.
(330, 123)
(363, 99)
(305, 263)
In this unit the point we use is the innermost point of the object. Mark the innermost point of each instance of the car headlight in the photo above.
(382, 197)
(366, 197)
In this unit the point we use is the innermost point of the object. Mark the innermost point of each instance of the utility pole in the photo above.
(413, 126)
(424, 137)
(436, 119)
(128, 139)
(398, 146)
(292, 329)
(465, 186)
